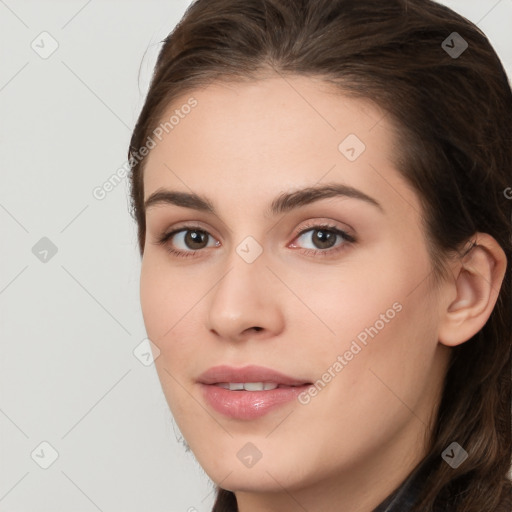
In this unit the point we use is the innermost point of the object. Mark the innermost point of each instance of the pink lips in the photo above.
(248, 405)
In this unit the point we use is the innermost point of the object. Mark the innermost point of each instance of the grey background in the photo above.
(70, 324)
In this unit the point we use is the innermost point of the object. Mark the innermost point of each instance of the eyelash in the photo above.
(348, 240)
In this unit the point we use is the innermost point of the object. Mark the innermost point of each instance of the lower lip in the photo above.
(249, 405)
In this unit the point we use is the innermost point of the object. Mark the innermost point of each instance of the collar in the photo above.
(403, 498)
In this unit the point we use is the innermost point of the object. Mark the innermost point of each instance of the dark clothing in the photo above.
(403, 498)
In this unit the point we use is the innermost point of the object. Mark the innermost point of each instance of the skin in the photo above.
(360, 437)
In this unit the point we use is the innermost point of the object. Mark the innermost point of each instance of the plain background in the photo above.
(70, 324)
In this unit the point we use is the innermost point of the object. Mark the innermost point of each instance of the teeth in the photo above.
(248, 386)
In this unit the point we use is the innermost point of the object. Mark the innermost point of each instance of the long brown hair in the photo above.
(453, 115)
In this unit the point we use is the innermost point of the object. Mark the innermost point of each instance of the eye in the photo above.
(188, 237)
(323, 238)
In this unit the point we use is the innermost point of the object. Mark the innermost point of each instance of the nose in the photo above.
(247, 299)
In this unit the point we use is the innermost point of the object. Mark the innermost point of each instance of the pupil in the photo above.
(195, 236)
(325, 237)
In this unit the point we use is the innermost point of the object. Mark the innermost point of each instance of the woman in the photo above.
(322, 195)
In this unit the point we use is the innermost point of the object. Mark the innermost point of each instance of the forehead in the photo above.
(248, 140)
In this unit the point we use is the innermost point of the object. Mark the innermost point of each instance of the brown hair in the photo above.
(453, 114)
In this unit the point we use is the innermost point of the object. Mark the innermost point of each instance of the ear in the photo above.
(477, 281)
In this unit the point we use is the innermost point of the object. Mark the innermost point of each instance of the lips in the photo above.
(237, 392)
(251, 373)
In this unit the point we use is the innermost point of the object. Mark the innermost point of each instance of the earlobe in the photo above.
(477, 285)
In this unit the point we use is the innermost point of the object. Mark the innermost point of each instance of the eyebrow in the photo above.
(283, 203)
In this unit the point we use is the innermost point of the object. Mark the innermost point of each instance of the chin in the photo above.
(268, 474)
(248, 481)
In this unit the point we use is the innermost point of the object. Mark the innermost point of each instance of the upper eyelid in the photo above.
(308, 227)
(320, 221)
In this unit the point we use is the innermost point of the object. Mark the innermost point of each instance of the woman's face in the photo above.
(354, 316)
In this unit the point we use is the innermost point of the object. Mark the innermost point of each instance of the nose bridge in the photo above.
(243, 297)
(246, 261)
(241, 286)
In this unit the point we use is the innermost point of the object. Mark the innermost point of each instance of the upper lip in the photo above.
(251, 373)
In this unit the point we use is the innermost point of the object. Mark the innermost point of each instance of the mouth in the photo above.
(251, 386)
(250, 392)
(249, 378)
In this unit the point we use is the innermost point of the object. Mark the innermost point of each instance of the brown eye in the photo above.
(189, 239)
(186, 241)
(195, 239)
(324, 238)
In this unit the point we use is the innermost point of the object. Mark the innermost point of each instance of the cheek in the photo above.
(385, 324)
(392, 373)
(358, 308)
(154, 300)
(170, 304)
(164, 299)
(166, 310)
